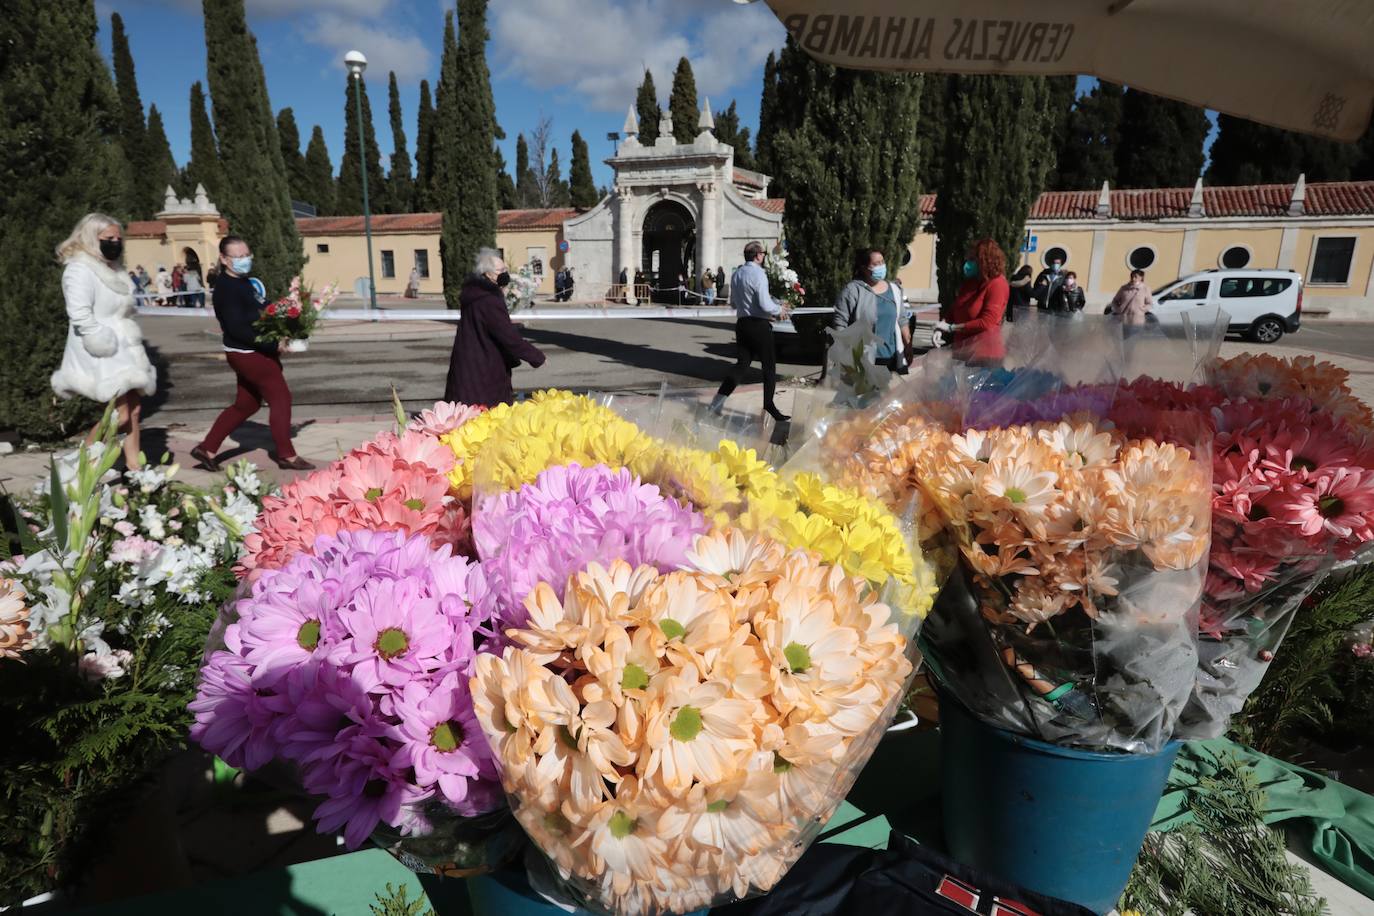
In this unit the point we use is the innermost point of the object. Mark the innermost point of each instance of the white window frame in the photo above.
(542, 253)
(1250, 257)
(1350, 269)
(1134, 248)
(1045, 255)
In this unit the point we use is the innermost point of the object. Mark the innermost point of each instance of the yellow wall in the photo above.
(345, 261)
(515, 248)
(916, 275)
(1263, 244)
(1078, 244)
(1168, 246)
(1359, 265)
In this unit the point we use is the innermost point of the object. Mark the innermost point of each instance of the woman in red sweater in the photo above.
(975, 317)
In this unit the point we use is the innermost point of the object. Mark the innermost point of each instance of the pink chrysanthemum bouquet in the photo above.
(1293, 495)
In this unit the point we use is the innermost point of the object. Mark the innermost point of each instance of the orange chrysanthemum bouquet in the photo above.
(693, 654)
(1079, 546)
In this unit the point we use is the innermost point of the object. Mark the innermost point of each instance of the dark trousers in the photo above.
(259, 379)
(754, 337)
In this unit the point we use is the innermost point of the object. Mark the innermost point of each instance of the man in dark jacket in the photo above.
(1048, 283)
(487, 346)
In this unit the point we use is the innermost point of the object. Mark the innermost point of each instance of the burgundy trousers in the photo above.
(259, 379)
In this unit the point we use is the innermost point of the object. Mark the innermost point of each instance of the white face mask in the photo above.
(1070, 282)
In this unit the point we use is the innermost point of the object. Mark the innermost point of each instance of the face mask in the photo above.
(503, 279)
(1070, 282)
(879, 272)
(970, 270)
(242, 266)
(1055, 267)
(111, 249)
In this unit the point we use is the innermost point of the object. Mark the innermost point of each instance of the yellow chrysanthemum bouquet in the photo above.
(691, 655)
(1079, 536)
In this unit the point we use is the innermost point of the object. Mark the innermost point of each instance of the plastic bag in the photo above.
(674, 730)
(1081, 544)
(1291, 462)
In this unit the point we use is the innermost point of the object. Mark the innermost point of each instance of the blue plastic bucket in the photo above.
(1067, 823)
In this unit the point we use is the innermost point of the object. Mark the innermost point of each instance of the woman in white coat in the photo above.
(104, 358)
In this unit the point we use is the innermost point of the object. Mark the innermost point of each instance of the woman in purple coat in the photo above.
(488, 345)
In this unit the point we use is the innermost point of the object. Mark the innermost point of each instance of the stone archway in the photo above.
(670, 241)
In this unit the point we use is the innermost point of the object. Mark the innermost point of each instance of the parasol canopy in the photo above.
(1305, 66)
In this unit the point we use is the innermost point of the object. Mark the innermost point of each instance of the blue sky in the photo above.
(578, 62)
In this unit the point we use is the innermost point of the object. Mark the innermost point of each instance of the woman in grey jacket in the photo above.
(877, 302)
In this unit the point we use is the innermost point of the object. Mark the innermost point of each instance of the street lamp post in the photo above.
(356, 64)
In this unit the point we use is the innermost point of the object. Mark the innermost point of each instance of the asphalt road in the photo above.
(351, 371)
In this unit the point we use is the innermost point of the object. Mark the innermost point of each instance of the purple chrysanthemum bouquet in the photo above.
(568, 517)
(353, 664)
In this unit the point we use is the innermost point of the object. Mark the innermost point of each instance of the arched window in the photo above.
(1056, 253)
(1235, 257)
(1142, 257)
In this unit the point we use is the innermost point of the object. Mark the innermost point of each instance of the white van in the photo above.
(1260, 304)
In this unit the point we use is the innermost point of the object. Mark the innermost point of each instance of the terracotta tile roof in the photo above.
(771, 204)
(535, 219)
(927, 206)
(1335, 198)
(385, 222)
(156, 228)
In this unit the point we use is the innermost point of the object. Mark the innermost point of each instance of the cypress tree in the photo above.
(255, 197)
(162, 167)
(730, 133)
(846, 188)
(683, 105)
(506, 196)
(289, 135)
(356, 158)
(995, 164)
(768, 115)
(1063, 94)
(1248, 153)
(1088, 155)
(145, 198)
(582, 187)
(424, 151)
(465, 129)
(319, 175)
(647, 110)
(526, 187)
(930, 145)
(203, 168)
(559, 193)
(400, 184)
(61, 156)
(1161, 142)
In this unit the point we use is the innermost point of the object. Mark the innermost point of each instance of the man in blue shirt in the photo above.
(753, 330)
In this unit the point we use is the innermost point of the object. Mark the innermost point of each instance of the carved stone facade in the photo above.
(675, 208)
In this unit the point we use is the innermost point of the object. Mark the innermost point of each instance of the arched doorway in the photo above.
(670, 242)
(191, 260)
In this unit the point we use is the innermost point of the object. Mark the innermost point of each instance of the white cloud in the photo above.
(386, 49)
(597, 49)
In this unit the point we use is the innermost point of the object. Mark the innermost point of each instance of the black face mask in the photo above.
(503, 280)
(111, 249)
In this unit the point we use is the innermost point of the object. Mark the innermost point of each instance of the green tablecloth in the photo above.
(899, 789)
(1333, 824)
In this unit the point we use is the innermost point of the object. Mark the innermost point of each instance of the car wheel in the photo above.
(1266, 330)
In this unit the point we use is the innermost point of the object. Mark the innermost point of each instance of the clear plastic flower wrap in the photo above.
(696, 656)
(1081, 542)
(1293, 497)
